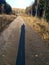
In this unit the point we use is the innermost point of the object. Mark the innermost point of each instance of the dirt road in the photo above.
(21, 45)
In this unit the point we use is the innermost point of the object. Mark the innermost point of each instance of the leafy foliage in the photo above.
(41, 9)
(7, 8)
(4, 7)
(2, 1)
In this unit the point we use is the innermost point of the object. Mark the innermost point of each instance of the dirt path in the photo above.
(21, 45)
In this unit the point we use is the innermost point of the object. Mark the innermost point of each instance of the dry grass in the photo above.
(5, 20)
(40, 25)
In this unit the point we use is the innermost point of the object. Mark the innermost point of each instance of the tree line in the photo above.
(40, 8)
(5, 7)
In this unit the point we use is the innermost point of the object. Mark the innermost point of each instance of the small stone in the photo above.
(48, 51)
(3, 55)
(8, 64)
(47, 63)
(36, 55)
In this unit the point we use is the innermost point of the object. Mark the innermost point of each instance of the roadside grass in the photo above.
(5, 20)
(39, 25)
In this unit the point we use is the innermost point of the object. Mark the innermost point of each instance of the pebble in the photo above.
(36, 55)
(3, 55)
(8, 64)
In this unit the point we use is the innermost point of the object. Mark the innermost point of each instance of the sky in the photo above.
(20, 3)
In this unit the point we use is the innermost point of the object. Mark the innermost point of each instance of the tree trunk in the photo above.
(44, 14)
(36, 7)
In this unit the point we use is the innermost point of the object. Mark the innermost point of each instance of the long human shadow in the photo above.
(21, 50)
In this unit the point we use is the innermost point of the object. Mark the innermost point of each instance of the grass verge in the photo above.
(5, 20)
(40, 25)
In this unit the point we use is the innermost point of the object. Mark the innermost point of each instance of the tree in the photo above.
(44, 5)
(40, 8)
(2, 1)
(47, 10)
(4, 7)
(8, 9)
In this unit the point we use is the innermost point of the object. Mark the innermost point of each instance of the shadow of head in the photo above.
(22, 29)
(23, 26)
